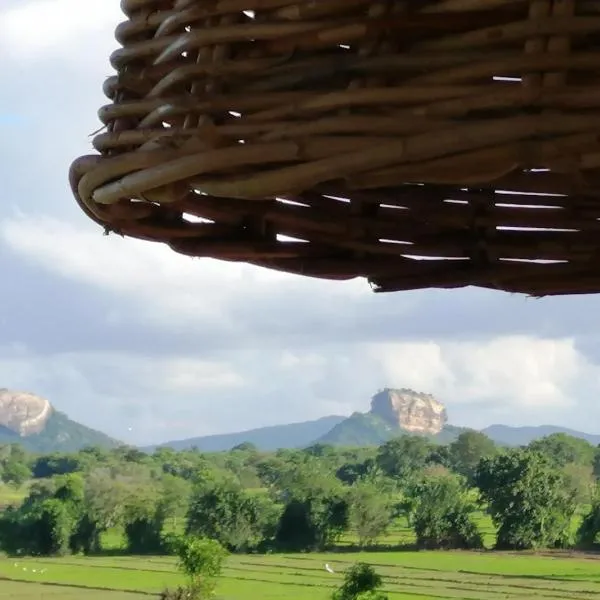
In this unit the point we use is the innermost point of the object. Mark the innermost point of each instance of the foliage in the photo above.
(579, 478)
(361, 582)
(443, 512)
(144, 520)
(350, 473)
(304, 499)
(15, 472)
(316, 508)
(15, 465)
(201, 561)
(311, 524)
(224, 511)
(175, 496)
(527, 498)
(467, 450)
(370, 511)
(59, 434)
(589, 530)
(360, 429)
(44, 524)
(402, 457)
(562, 449)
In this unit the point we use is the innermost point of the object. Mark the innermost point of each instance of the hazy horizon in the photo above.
(143, 344)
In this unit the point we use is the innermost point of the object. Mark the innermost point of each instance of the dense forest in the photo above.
(544, 495)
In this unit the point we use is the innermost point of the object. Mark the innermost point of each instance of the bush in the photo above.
(201, 561)
(587, 535)
(180, 593)
(361, 582)
(528, 498)
(443, 514)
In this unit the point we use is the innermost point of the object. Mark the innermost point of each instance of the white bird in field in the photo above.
(328, 568)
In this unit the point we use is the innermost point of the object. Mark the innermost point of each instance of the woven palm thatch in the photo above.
(344, 138)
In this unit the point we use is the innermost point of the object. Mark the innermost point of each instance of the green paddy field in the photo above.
(407, 575)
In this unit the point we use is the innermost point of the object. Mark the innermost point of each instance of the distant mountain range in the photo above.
(293, 435)
(31, 421)
(521, 436)
(360, 429)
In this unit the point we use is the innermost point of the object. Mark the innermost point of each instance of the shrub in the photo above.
(443, 514)
(201, 561)
(361, 582)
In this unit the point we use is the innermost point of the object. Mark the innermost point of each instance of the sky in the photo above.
(132, 339)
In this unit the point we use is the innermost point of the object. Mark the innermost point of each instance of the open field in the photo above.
(12, 495)
(407, 575)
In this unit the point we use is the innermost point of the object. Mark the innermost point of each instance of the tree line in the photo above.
(544, 495)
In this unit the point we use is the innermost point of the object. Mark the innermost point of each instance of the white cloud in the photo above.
(113, 391)
(170, 289)
(185, 375)
(537, 376)
(48, 29)
(417, 365)
(176, 347)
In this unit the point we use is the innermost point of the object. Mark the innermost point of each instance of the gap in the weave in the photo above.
(503, 202)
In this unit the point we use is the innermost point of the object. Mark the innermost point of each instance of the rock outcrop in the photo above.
(23, 413)
(413, 412)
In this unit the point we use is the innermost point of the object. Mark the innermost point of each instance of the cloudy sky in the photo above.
(123, 334)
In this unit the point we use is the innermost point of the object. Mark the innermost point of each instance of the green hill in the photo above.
(59, 435)
(359, 429)
(367, 429)
(293, 435)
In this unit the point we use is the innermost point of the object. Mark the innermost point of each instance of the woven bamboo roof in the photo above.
(439, 143)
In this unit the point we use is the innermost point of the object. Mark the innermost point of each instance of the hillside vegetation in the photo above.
(321, 497)
(60, 434)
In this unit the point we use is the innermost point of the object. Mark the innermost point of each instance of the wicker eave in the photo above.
(373, 133)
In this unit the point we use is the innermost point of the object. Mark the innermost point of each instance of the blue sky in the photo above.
(123, 334)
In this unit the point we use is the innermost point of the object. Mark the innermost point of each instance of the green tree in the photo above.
(55, 464)
(201, 561)
(579, 478)
(15, 473)
(175, 497)
(315, 506)
(370, 511)
(224, 511)
(589, 530)
(527, 499)
(563, 449)
(105, 500)
(350, 473)
(596, 462)
(468, 449)
(443, 512)
(45, 522)
(361, 582)
(143, 520)
(402, 457)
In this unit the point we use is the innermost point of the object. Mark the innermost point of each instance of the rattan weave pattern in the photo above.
(344, 138)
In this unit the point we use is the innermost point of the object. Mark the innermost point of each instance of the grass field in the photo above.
(12, 495)
(407, 575)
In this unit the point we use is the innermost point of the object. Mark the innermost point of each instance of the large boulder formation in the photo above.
(411, 411)
(23, 413)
